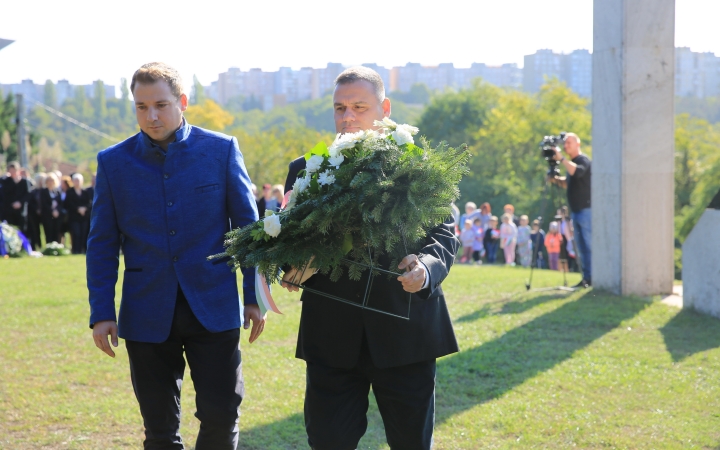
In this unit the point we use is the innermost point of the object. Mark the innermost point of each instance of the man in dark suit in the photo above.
(16, 194)
(167, 196)
(348, 349)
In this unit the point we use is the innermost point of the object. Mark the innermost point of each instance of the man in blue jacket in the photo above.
(166, 197)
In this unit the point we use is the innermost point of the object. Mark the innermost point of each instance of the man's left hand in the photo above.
(414, 279)
(252, 313)
(558, 154)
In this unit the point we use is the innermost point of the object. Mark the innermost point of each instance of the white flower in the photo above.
(348, 140)
(336, 160)
(314, 163)
(301, 184)
(272, 225)
(403, 134)
(326, 178)
(386, 124)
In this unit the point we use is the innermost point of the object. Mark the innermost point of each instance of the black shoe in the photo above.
(582, 284)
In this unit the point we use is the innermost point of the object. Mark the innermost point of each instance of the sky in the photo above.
(86, 40)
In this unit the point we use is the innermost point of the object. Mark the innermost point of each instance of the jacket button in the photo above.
(166, 176)
(175, 259)
(170, 203)
(172, 233)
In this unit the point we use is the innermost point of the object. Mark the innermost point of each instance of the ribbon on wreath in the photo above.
(263, 295)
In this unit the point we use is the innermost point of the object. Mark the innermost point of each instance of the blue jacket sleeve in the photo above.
(103, 251)
(242, 208)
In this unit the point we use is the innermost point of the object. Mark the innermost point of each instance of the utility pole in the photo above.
(22, 150)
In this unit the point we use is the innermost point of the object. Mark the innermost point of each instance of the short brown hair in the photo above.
(358, 73)
(155, 71)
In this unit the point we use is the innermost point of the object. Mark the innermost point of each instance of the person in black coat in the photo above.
(16, 193)
(51, 209)
(77, 203)
(348, 349)
(34, 218)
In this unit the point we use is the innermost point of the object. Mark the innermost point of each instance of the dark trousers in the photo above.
(336, 403)
(491, 249)
(216, 370)
(78, 235)
(52, 227)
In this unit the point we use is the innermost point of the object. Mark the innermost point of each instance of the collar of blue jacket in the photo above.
(181, 136)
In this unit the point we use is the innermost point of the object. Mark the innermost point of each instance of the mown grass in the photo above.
(536, 370)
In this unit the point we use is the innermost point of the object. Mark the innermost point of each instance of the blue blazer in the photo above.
(168, 211)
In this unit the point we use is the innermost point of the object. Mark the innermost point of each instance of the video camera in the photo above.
(547, 147)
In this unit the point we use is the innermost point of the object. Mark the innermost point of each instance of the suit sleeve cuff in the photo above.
(426, 284)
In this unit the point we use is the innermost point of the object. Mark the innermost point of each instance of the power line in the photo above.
(84, 126)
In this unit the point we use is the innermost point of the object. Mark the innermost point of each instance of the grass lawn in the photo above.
(536, 370)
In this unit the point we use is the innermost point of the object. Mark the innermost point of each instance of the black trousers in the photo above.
(78, 236)
(336, 404)
(216, 370)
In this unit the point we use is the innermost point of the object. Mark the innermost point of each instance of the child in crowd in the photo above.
(490, 240)
(537, 238)
(478, 249)
(553, 242)
(524, 243)
(508, 238)
(467, 239)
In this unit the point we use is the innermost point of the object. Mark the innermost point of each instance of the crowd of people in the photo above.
(50, 203)
(512, 239)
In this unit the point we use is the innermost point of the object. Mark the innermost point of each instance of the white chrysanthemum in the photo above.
(336, 160)
(314, 163)
(403, 134)
(348, 140)
(272, 225)
(386, 124)
(326, 178)
(301, 184)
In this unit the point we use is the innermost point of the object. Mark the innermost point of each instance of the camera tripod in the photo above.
(536, 250)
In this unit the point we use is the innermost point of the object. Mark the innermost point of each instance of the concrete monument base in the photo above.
(701, 265)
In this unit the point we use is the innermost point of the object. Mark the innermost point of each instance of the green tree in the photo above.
(456, 116)
(419, 94)
(198, 92)
(50, 94)
(697, 169)
(124, 107)
(8, 128)
(100, 101)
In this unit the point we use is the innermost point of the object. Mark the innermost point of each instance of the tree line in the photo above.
(502, 128)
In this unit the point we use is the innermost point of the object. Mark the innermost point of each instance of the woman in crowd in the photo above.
(485, 215)
(51, 209)
(77, 202)
(33, 211)
(65, 187)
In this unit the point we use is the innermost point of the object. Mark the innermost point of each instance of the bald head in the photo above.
(572, 145)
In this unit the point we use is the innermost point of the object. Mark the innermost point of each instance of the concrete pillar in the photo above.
(633, 146)
(701, 265)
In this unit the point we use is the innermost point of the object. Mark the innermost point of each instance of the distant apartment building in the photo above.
(696, 74)
(273, 88)
(63, 90)
(574, 68)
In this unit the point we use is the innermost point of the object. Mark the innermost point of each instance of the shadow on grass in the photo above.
(690, 332)
(494, 368)
(287, 433)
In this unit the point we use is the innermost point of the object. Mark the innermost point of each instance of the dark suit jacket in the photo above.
(46, 203)
(73, 201)
(331, 332)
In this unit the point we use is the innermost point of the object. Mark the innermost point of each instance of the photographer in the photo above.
(577, 183)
